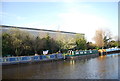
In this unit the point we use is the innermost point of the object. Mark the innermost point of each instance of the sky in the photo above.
(79, 17)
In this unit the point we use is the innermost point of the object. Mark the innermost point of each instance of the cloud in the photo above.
(82, 23)
(83, 20)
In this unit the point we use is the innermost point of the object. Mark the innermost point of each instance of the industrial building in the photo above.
(43, 32)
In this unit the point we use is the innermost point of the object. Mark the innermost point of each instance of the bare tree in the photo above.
(98, 38)
(102, 37)
(65, 41)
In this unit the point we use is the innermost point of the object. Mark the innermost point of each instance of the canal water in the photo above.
(102, 67)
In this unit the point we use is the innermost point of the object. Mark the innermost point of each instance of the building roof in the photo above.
(38, 29)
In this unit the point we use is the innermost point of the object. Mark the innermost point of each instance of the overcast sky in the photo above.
(79, 17)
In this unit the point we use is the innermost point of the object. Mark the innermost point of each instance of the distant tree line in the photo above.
(18, 42)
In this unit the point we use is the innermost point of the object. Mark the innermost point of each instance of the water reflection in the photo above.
(102, 57)
(103, 67)
(72, 62)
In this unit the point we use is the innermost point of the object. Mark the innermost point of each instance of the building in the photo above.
(43, 32)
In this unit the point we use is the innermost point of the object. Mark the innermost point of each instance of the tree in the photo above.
(117, 40)
(90, 45)
(107, 38)
(80, 42)
(99, 36)
(7, 45)
(113, 43)
(50, 44)
(18, 42)
(36, 41)
(27, 44)
(54, 46)
(102, 37)
(65, 42)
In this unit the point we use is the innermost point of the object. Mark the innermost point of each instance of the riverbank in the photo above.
(74, 54)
